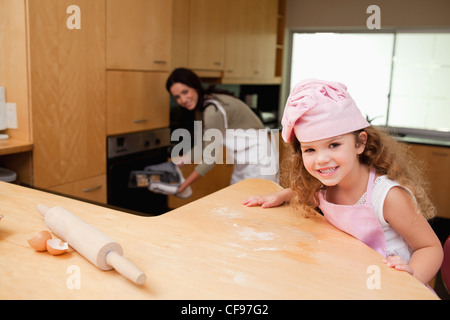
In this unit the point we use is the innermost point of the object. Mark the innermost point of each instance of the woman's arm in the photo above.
(194, 176)
(400, 212)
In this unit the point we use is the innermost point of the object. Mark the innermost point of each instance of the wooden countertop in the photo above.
(212, 248)
(10, 146)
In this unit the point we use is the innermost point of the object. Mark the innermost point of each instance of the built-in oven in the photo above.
(133, 152)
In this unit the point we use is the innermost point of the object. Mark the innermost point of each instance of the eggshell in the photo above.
(39, 241)
(56, 246)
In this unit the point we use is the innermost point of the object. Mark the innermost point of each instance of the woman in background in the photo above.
(219, 109)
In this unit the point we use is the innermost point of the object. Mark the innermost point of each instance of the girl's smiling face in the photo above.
(184, 95)
(332, 160)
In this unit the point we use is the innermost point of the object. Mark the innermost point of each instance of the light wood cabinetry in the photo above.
(15, 153)
(180, 33)
(251, 39)
(138, 42)
(67, 92)
(13, 65)
(136, 101)
(207, 34)
(437, 169)
(281, 22)
(139, 34)
(233, 40)
(93, 189)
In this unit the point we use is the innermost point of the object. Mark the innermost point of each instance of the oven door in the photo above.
(134, 152)
(135, 200)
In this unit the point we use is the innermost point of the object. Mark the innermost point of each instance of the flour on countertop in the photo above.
(225, 211)
(266, 249)
(248, 233)
(239, 277)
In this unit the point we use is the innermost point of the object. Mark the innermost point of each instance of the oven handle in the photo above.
(92, 189)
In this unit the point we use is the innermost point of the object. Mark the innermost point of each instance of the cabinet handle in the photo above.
(159, 61)
(217, 63)
(440, 154)
(140, 120)
(92, 189)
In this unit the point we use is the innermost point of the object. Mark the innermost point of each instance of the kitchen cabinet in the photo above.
(251, 40)
(15, 152)
(436, 160)
(138, 34)
(67, 92)
(207, 34)
(93, 189)
(232, 40)
(138, 61)
(281, 22)
(136, 101)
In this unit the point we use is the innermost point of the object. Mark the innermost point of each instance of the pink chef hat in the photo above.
(318, 109)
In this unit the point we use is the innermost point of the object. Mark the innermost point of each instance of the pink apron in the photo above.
(358, 220)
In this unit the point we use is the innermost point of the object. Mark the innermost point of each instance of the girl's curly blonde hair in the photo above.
(388, 156)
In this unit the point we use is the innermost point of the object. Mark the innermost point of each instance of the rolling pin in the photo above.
(95, 246)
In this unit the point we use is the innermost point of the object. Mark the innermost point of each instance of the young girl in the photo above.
(363, 181)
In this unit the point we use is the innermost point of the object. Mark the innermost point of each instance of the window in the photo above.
(396, 79)
(420, 91)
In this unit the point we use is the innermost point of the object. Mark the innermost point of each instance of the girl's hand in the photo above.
(269, 200)
(398, 263)
(265, 201)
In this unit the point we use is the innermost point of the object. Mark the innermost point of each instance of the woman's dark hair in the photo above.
(190, 79)
(184, 76)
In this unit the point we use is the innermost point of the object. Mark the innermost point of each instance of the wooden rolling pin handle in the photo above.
(125, 267)
(42, 209)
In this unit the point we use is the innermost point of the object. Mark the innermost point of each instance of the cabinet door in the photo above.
(93, 189)
(265, 31)
(239, 48)
(437, 170)
(251, 39)
(136, 101)
(138, 34)
(67, 81)
(207, 34)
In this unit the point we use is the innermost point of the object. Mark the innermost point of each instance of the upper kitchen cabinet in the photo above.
(136, 101)
(232, 40)
(138, 34)
(66, 48)
(206, 34)
(198, 38)
(251, 41)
